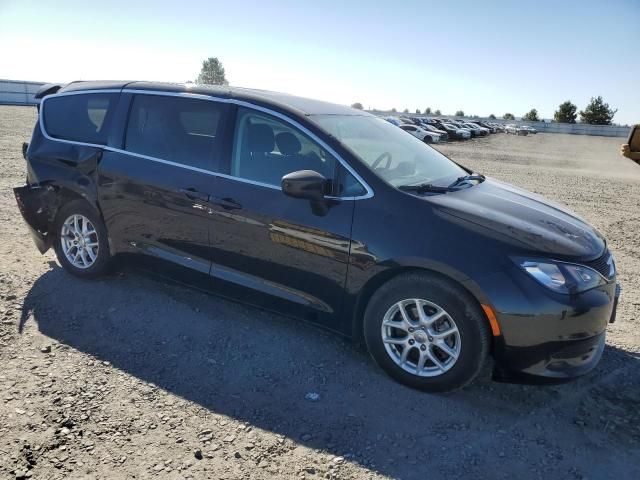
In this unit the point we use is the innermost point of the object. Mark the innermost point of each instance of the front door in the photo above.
(271, 249)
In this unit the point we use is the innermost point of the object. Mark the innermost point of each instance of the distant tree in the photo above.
(357, 106)
(393, 110)
(460, 113)
(427, 110)
(492, 116)
(566, 113)
(597, 112)
(406, 110)
(418, 111)
(212, 73)
(438, 112)
(531, 116)
(508, 116)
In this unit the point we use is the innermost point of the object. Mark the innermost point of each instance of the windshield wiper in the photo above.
(467, 178)
(424, 188)
(430, 188)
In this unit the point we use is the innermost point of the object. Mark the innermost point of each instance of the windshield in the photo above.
(394, 156)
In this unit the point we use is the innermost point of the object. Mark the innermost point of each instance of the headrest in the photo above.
(288, 143)
(260, 138)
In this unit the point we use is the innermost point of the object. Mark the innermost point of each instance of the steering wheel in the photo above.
(378, 160)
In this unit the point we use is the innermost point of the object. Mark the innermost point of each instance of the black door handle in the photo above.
(226, 203)
(194, 194)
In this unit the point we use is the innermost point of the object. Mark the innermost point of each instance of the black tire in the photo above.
(462, 308)
(101, 263)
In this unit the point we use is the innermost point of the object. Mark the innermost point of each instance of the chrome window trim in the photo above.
(199, 96)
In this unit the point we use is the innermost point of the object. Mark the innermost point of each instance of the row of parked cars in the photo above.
(434, 130)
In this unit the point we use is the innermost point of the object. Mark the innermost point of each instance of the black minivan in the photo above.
(324, 213)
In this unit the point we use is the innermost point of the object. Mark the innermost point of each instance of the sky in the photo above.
(479, 56)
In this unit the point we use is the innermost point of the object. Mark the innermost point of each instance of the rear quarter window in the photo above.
(80, 118)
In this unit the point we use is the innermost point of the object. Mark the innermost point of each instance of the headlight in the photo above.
(561, 277)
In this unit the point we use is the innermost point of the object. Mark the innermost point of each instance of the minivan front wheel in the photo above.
(81, 244)
(426, 332)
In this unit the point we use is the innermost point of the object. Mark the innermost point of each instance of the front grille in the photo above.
(603, 265)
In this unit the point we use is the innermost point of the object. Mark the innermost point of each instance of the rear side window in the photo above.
(181, 130)
(81, 118)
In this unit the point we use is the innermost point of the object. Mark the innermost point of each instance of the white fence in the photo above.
(579, 128)
(17, 92)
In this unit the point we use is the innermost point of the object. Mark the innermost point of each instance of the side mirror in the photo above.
(305, 184)
(634, 139)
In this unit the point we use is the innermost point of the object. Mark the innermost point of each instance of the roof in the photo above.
(283, 101)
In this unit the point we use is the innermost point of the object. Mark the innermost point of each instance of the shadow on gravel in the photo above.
(257, 367)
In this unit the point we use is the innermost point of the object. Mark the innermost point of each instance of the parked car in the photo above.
(426, 125)
(454, 131)
(393, 120)
(325, 213)
(421, 133)
(414, 121)
(529, 129)
(444, 136)
(488, 126)
(512, 128)
(476, 129)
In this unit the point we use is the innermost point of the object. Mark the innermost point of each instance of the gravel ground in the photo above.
(129, 377)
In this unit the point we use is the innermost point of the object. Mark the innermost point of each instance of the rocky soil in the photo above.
(130, 377)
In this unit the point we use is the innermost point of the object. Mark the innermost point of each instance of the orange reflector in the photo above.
(493, 321)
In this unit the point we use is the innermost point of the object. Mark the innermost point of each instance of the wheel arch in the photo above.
(374, 283)
(50, 197)
(64, 193)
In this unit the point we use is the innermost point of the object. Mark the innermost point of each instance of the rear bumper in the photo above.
(34, 204)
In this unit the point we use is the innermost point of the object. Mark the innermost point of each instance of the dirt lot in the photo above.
(128, 377)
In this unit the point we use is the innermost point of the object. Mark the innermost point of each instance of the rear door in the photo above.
(154, 189)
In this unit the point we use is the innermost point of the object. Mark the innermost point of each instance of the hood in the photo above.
(522, 218)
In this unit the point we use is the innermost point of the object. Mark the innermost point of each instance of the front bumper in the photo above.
(544, 335)
(553, 361)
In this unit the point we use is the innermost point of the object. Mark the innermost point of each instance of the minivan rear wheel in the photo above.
(426, 332)
(81, 243)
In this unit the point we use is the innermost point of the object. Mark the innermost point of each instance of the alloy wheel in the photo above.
(421, 337)
(79, 240)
